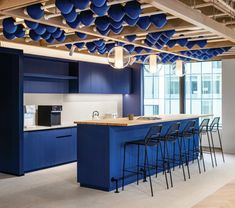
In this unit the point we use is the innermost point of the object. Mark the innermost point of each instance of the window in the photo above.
(161, 92)
(203, 88)
(151, 109)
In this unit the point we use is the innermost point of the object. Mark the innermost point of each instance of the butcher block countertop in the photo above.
(141, 120)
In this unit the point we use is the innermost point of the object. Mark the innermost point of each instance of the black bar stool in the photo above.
(191, 152)
(214, 127)
(204, 130)
(151, 140)
(172, 138)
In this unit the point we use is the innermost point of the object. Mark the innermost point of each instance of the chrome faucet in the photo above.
(95, 115)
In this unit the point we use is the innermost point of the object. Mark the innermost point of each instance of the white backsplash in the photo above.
(78, 106)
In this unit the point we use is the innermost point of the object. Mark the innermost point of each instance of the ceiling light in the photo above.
(151, 64)
(178, 68)
(118, 57)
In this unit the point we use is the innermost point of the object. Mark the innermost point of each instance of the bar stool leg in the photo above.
(209, 143)
(168, 162)
(200, 145)
(124, 166)
(163, 165)
(180, 144)
(138, 163)
(188, 151)
(201, 152)
(213, 147)
(194, 151)
(186, 158)
(221, 147)
(144, 170)
(174, 156)
(157, 160)
(149, 173)
(181, 159)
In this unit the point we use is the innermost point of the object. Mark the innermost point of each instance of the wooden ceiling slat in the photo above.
(57, 22)
(173, 24)
(6, 5)
(191, 20)
(209, 45)
(182, 11)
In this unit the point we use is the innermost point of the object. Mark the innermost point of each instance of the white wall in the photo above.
(78, 106)
(228, 105)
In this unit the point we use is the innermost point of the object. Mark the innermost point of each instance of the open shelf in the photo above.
(49, 76)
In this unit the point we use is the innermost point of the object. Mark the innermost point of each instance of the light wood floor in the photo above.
(223, 198)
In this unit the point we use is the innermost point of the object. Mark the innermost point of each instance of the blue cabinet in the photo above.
(11, 111)
(48, 148)
(101, 78)
(47, 75)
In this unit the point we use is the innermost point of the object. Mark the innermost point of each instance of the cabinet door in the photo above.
(39, 151)
(122, 81)
(49, 148)
(102, 78)
(66, 145)
(84, 78)
(48, 67)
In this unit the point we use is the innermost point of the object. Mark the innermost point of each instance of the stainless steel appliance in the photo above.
(49, 115)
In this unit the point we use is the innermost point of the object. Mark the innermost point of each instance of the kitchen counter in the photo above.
(40, 128)
(137, 121)
(100, 147)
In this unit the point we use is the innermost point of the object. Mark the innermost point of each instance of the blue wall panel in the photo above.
(133, 103)
(11, 111)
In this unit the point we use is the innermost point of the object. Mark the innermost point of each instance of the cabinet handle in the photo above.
(64, 136)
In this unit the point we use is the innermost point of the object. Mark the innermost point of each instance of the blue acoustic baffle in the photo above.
(35, 11)
(100, 11)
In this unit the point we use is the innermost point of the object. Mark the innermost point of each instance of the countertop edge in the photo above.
(120, 123)
(43, 128)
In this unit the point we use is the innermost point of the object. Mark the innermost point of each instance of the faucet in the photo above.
(95, 115)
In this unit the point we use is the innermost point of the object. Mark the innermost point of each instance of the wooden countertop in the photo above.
(136, 121)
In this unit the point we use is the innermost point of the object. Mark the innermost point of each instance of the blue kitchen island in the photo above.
(100, 147)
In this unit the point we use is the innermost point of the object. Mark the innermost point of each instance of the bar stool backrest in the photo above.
(153, 133)
(204, 125)
(215, 123)
(190, 127)
(174, 129)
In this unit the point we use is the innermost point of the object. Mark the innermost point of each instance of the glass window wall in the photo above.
(203, 88)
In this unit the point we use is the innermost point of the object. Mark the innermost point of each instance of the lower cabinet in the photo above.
(48, 148)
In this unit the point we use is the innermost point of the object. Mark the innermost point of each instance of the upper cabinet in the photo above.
(101, 78)
(48, 75)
